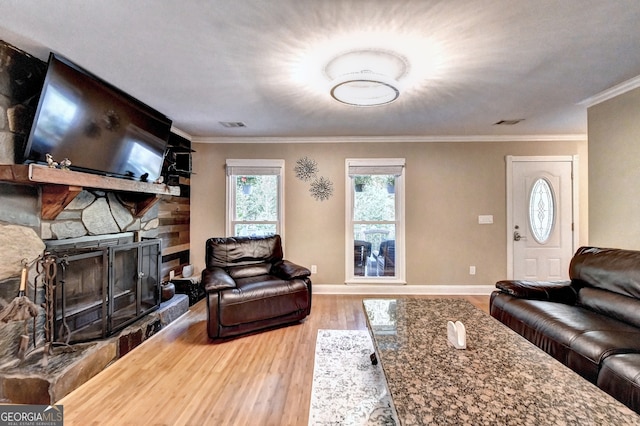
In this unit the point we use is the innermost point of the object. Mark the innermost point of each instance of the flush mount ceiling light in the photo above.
(367, 77)
(365, 88)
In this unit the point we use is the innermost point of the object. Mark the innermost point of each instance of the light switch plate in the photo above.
(485, 219)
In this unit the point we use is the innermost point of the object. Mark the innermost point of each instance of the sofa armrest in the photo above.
(552, 291)
(216, 279)
(288, 270)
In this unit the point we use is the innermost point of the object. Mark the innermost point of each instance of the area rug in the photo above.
(347, 388)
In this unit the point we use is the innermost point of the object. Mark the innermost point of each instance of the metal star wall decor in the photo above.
(321, 189)
(306, 168)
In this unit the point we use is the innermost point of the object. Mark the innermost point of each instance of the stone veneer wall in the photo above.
(98, 213)
(21, 78)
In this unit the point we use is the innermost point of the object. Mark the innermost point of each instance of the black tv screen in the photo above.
(95, 125)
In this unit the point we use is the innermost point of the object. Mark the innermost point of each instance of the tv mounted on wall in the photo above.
(97, 126)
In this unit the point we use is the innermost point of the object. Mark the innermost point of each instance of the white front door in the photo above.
(540, 216)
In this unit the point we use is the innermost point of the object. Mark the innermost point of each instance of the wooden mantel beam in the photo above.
(60, 187)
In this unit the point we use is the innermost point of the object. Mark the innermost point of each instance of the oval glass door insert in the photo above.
(541, 210)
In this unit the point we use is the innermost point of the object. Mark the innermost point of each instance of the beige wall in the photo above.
(614, 172)
(448, 185)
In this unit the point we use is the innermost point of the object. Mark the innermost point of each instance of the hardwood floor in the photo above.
(179, 377)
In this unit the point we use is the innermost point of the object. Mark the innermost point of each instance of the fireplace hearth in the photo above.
(45, 379)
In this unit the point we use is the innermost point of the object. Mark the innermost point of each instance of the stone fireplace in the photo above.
(105, 250)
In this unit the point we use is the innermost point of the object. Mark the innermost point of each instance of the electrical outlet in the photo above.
(314, 269)
(472, 270)
(172, 274)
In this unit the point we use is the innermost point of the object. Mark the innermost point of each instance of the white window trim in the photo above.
(254, 165)
(400, 277)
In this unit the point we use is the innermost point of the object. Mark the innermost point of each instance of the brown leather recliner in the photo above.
(249, 286)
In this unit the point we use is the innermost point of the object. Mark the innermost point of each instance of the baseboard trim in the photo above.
(374, 289)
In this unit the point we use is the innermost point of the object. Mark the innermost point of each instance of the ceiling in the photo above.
(472, 62)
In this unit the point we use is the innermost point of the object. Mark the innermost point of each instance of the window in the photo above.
(375, 220)
(255, 197)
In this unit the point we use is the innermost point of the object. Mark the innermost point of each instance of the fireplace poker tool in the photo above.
(64, 327)
(39, 278)
(50, 270)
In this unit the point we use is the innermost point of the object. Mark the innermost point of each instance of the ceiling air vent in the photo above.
(232, 124)
(508, 122)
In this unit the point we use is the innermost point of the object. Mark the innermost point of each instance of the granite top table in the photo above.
(500, 378)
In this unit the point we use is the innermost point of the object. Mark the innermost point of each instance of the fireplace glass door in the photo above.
(102, 284)
(134, 274)
(81, 291)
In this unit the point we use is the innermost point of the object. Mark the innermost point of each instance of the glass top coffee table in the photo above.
(501, 378)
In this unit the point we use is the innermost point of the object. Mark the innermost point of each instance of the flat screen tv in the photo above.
(95, 125)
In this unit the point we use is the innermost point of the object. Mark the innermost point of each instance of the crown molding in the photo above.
(612, 92)
(181, 133)
(394, 139)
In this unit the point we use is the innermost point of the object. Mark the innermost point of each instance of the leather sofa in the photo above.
(590, 323)
(250, 287)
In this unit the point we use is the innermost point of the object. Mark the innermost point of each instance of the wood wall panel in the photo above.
(174, 212)
(173, 229)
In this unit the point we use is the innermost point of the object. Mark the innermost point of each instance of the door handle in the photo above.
(518, 237)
